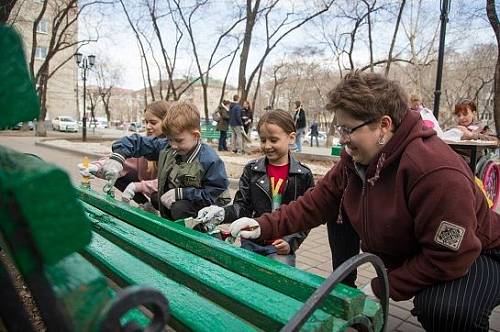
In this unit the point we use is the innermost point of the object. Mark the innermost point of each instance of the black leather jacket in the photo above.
(254, 195)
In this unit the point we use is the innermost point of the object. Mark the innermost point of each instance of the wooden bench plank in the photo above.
(190, 312)
(260, 305)
(344, 302)
(57, 225)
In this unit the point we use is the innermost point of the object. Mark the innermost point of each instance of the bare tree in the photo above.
(141, 49)
(61, 37)
(288, 24)
(107, 78)
(393, 41)
(277, 81)
(251, 16)
(204, 73)
(493, 18)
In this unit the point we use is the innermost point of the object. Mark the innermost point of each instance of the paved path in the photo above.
(313, 256)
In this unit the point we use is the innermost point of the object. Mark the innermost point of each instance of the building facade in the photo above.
(62, 85)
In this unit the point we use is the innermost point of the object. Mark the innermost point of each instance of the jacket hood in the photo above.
(411, 128)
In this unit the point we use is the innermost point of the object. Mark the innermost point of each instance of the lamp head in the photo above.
(78, 58)
(91, 60)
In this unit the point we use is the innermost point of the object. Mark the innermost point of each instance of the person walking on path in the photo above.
(406, 196)
(314, 133)
(236, 125)
(300, 123)
(247, 117)
(222, 113)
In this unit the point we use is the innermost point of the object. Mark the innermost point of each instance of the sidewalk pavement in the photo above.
(314, 256)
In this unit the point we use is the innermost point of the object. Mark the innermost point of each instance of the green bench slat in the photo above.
(189, 311)
(83, 292)
(344, 302)
(52, 212)
(260, 305)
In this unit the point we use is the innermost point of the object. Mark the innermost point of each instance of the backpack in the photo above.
(216, 116)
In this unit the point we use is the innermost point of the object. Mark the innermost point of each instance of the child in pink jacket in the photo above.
(139, 179)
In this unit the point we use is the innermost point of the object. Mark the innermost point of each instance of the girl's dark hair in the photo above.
(280, 118)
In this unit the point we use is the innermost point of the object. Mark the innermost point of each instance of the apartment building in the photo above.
(61, 93)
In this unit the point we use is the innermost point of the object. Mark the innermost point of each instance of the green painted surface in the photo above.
(189, 311)
(48, 203)
(81, 289)
(18, 99)
(258, 304)
(373, 310)
(344, 302)
(84, 293)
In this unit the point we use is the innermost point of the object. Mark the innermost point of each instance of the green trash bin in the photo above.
(336, 150)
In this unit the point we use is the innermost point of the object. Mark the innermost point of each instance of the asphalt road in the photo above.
(65, 160)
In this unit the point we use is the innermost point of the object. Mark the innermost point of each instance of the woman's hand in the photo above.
(466, 133)
(282, 247)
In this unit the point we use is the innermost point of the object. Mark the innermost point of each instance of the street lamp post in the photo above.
(85, 63)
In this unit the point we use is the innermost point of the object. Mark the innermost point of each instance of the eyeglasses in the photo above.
(344, 131)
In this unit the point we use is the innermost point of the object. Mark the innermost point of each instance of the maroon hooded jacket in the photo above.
(419, 210)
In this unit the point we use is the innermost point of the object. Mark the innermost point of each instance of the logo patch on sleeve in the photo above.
(449, 235)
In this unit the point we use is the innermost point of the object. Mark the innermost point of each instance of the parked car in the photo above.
(136, 126)
(64, 123)
(20, 124)
(99, 123)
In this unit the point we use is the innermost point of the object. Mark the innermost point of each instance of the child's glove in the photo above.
(211, 214)
(168, 198)
(88, 171)
(111, 169)
(129, 192)
(245, 227)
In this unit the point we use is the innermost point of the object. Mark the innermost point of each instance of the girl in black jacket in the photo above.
(266, 183)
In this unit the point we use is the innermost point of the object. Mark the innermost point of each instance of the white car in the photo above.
(64, 123)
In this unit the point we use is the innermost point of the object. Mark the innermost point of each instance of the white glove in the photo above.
(88, 171)
(111, 170)
(168, 198)
(129, 192)
(247, 228)
(211, 214)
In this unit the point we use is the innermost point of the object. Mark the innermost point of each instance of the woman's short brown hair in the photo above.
(463, 106)
(369, 96)
(181, 116)
(278, 117)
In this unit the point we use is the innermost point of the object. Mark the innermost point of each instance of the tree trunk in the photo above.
(393, 41)
(493, 18)
(42, 91)
(245, 50)
(5, 9)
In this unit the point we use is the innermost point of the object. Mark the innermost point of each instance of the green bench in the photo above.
(208, 132)
(135, 247)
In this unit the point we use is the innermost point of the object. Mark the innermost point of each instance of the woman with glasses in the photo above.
(407, 197)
